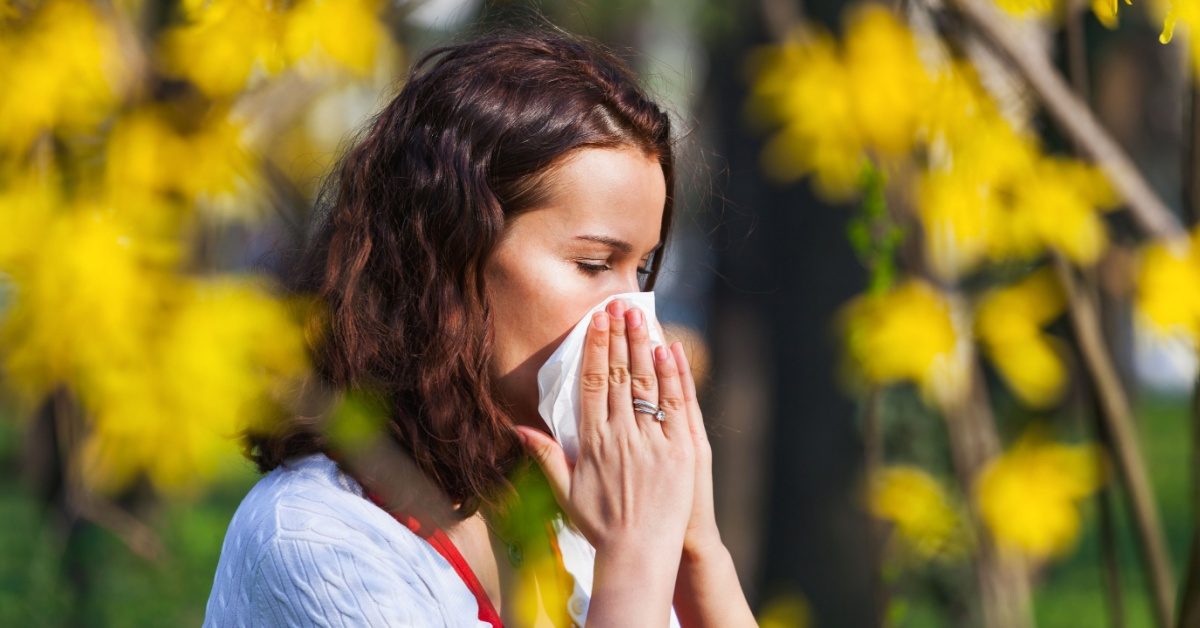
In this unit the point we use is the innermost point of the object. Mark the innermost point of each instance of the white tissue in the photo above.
(558, 403)
(558, 379)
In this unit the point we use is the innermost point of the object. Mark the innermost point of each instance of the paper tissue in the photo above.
(558, 378)
(558, 404)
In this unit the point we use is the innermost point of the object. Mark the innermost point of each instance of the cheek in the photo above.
(536, 303)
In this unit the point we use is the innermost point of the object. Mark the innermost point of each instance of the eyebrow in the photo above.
(620, 245)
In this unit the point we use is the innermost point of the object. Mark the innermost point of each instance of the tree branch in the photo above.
(1126, 449)
(1075, 118)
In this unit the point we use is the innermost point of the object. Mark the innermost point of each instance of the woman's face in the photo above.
(597, 229)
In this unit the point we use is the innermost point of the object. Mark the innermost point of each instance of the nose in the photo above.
(630, 282)
(621, 286)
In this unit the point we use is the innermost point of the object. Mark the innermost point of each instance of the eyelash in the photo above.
(593, 269)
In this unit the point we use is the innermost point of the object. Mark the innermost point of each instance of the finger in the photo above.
(620, 401)
(695, 418)
(593, 379)
(550, 458)
(643, 380)
(670, 395)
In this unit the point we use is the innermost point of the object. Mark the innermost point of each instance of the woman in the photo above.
(513, 183)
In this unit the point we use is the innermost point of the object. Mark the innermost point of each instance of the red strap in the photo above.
(444, 546)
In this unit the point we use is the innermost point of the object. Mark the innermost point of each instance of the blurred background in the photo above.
(935, 255)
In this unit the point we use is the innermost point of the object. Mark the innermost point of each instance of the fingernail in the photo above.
(660, 353)
(618, 307)
(635, 318)
(600, 321)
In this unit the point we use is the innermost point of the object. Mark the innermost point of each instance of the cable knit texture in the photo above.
(305, 548)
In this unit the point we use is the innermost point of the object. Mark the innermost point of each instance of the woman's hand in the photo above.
(702, 535)
(707, 590)
(633, 482)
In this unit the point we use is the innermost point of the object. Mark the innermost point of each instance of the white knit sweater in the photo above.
(305, 548)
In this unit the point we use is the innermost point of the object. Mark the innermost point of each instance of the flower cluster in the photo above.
(914, 501)
(122, 154)
(984, 191)
(1029, 497)
(1172, 13)
(1167, 296)
(990, 204)
(222, 44)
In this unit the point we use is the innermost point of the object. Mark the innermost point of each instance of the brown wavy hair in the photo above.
(408, 218)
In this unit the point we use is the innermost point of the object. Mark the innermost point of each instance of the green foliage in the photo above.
(873, 234)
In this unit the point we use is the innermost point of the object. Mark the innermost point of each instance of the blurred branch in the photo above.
(1110, 571)
(1003, 579)
(781, 17)
(873, 457)
(1126, 448)
(1078, 121)
(1074, 117)
(1077, 67)
(81, 501)
(1189, 595)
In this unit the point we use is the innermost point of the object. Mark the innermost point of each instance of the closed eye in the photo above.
(594, 269)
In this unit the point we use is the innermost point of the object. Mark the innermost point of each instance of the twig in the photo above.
(1118, 418)
(81, 501)
(1110, 572)
(1154, 217)
(1189, 595)
(873, 457)
(1003, 579)
(781, 17)
(1075, 118)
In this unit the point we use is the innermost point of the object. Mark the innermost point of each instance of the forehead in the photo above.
(614, 191)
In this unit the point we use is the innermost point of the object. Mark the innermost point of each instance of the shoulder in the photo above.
(305, 544)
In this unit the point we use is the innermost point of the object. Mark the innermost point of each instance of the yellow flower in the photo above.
(1172, 12)
(84, 300)
(66, 62)
(1028, 8)
(786, 610)
(916, 504)
(911, 333)
(977, 159)
(344, 33)
(27, 204)
(1009, 321)
(956, 105)
(887, 80)
(990, 196)
(802, 84)
(1028, 497)
(167, 369)
(222, 43)
(542, 592)
(174, 415)
(962, 219)
(528, 519)
(1106, 11)
(837, 104)
(1056, 207)
(221, 168)
(1186, 12)
(1167, 294)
